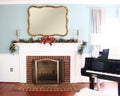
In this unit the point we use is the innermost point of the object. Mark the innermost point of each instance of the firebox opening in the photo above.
(47, 71)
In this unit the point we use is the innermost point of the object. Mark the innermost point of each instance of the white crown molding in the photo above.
(60, 1)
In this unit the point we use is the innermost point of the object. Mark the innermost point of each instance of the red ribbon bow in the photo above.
(47, 39)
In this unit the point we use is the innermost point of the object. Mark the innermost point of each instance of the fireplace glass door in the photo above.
(46, 71)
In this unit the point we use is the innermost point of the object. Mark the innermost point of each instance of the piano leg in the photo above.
(98, 84)
(118, 88)
(91, 80)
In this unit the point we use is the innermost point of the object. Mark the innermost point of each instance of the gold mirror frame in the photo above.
(47, 20)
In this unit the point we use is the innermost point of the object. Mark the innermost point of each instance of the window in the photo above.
(110, 32)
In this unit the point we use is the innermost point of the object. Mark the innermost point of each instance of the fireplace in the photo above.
(58, 51)
(59, 66)
(47, 71)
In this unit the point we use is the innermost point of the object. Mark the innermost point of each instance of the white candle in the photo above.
(77, 32)
(17, 34)
(78, 35)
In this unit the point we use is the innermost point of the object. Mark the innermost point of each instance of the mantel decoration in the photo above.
(81, 47)
(47, 39)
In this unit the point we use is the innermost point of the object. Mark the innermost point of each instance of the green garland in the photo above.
(12, 47)
(82, 47)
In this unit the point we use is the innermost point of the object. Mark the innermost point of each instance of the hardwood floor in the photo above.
(7, 89)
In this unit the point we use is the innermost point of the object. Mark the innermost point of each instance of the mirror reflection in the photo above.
(47, 20)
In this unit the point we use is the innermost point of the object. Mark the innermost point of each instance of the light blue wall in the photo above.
(12, 17)
(15, 16)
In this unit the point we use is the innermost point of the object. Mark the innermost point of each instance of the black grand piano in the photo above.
(102, 68)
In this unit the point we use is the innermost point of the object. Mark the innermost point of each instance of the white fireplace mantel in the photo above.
(57, 49)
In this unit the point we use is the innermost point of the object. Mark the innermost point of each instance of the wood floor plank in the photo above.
(7, 89)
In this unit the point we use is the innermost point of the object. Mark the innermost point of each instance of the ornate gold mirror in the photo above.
(47, 20)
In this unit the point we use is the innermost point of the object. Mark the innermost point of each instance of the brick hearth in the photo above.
(66, 70)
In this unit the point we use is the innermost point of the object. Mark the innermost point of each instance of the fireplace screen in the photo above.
(46, 71)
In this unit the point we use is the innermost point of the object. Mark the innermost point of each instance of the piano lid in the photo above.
(104, 54)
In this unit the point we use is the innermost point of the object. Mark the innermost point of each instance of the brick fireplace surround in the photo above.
(67, 51)
(65, 59)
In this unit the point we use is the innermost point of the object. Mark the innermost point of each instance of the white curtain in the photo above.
(98, 19)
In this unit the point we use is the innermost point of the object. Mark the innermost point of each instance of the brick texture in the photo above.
(65, 59)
